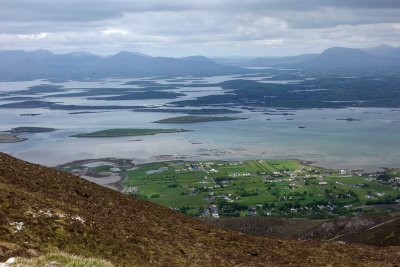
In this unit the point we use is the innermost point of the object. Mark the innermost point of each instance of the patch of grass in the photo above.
(62, 259)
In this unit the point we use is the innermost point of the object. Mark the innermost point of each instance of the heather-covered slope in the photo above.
(370, 230)
(44, 209)
(382, 231)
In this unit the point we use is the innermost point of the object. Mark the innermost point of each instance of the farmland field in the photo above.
(257, 187)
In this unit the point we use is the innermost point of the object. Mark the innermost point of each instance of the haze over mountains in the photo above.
(20, 65)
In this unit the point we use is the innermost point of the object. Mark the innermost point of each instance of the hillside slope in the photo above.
(368, 230)
(44, 209)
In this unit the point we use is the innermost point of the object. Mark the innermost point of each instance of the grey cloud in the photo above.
(331, 17)
(184, 26)
(78, 10)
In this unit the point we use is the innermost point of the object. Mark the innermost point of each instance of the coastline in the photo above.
(11, 138)
(82, 169)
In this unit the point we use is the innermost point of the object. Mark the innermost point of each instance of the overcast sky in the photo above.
(194, 27)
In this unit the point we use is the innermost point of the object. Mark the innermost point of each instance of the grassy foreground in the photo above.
(61, 259)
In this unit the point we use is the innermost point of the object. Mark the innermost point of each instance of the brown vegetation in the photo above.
(374, 230)
(42, 210)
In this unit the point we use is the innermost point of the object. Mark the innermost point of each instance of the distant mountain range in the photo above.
(17, 65)
(383, 56)
(43, 64)
(342, 57)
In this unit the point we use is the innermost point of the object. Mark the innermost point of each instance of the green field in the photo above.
(128, 132)
(257, 187)
(197, 119)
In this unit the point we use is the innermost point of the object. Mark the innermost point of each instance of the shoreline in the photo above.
(13, 135)
(8, 138)
(85, 173)
(123, 164)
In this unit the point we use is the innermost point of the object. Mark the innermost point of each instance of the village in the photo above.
(258, 187)
(288, 188)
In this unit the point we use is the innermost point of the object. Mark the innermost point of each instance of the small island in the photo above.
(128, 132)
(201, 111)
(29, 114)
(196, 119)
(348, 119)
(20, 130)
(12, 136)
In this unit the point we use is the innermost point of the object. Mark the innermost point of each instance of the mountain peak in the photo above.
(343, 57)
(124, 54)
(341, 50)
(198, 59)
(384, 46)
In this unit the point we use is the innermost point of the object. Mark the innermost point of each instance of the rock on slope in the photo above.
(43, 209)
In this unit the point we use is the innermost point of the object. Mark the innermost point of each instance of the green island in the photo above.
(12, 136)
(197, 119)
(200, 111)
(128, 132)
(280, 188)
(28, 129)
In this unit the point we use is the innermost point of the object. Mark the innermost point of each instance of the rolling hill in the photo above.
(44, 210)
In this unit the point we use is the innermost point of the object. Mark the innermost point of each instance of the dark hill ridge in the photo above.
(43, 209)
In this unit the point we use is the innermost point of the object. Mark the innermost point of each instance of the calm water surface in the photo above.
(370, 142)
